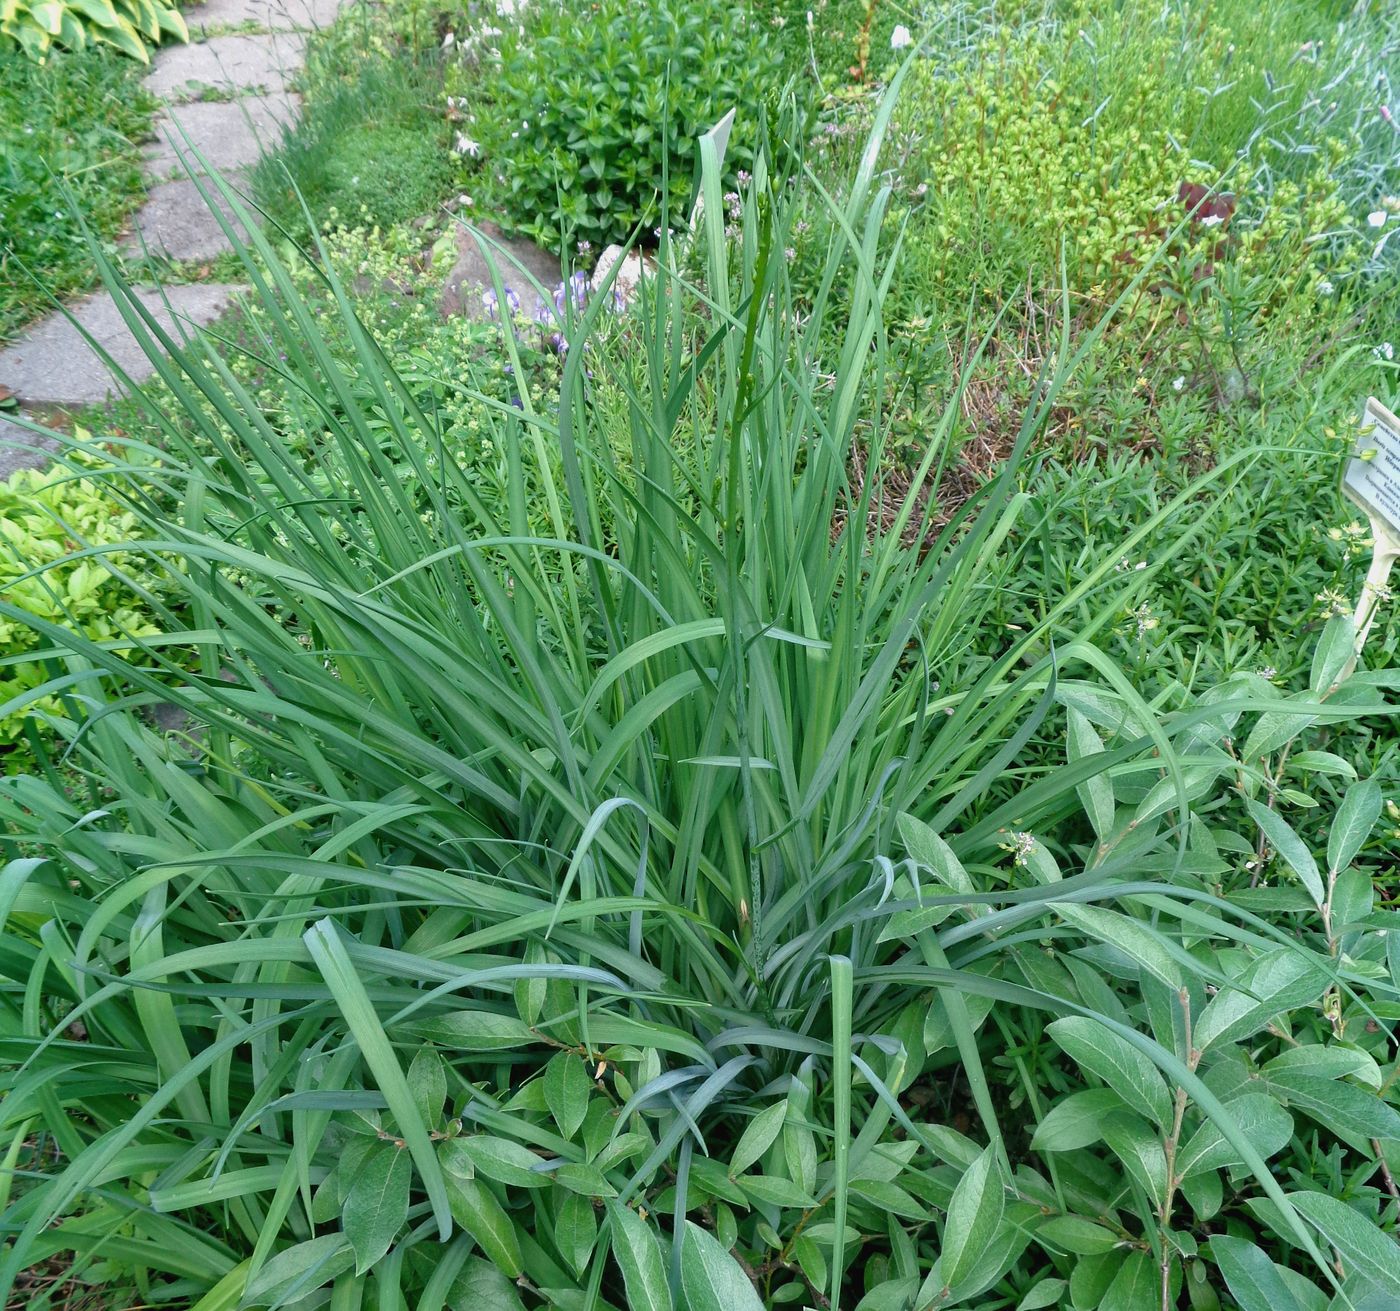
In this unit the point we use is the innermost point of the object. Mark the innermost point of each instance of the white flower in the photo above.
(1325, 288)
(1377, 217)
(901, 37)
(1385, 351)
(1212, 221)
(811, 22)
(466, 146)
(1178, 382)
(449, 40)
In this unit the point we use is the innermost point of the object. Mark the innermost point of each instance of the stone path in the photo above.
(227, 97)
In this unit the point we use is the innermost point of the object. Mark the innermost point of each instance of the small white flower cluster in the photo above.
(1333, 602)
(1143, 620)
(1021, 846)
(1355, 535)
(901, 38)
(1385, 351)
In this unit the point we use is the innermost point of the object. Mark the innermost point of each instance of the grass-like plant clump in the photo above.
(658, 885)
(370, 150)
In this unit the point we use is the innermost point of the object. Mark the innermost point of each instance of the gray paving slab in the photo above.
(229, 134)
(274, 15)
(53, 365)
(227, 64)
(177, 221)
(22, 449)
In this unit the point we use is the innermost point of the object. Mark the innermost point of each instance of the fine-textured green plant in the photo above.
(577, 115)
(69, 130)
(371, 147)
(666, 908)
(131, 26)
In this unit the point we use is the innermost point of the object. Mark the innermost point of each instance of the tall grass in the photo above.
(506, 892)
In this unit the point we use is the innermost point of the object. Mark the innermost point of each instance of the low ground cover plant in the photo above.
(371, 147)
(45, 518)
(698, 899)
(70, 133)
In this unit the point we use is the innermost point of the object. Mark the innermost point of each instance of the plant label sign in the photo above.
(1372, 481)
(1372, 476)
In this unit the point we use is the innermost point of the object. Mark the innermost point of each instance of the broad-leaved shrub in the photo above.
(575, 115)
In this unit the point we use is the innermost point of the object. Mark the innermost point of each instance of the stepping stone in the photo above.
(230, 134)
(52, 364)
(227, 64)
(274, 15)
(22, 449)
(176, 221)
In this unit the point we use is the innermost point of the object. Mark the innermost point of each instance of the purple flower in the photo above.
(579, 286)
(492, 305)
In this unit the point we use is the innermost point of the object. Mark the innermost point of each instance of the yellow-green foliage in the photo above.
(44, 518)
(132, 26)
(1081, 131)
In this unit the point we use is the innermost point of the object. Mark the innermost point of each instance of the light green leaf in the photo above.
(575, 1231)
(1334, 1061)
(711, 1279)
(1117, 1062)
(1072, 1233)
(1131, 938)
(1290, 847)
(1264, 1123)
(298, 1270)
(1253, 1280)
(323, 941)
(1356, 817)
(474, 1031)
(759, 1135)
(1048, 1292)
(638, 1255)
(1276, 982)
(476, 1209)
(377, 1205)
(933, 854)
(773, 1191)
(567, 1089)
(479, 1286)
(1370, 1255)
(1141, 1151)
(1096, 794)
(427, 1081)
(1342, 1107)
(1076, 1121)
(504, 1160)
(1332, 652)
(1136, 1286)
(973, 1216)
